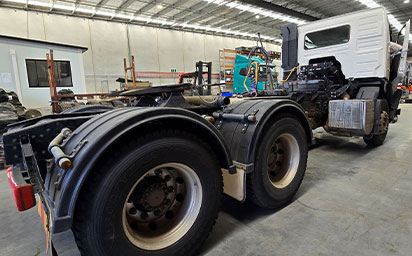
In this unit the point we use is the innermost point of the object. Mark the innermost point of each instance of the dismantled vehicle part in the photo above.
(11, 110)
(67, 102)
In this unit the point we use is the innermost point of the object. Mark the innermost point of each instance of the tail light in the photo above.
(23, 195)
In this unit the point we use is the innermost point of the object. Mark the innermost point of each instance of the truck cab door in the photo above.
(404, 54)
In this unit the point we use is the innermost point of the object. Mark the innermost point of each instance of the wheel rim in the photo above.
(162, 206)
(383, 123)
(283, 160)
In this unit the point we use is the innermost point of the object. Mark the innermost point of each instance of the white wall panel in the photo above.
(155, 49)
(109, 45)
(170, 50)
(35, 28)
(212, 46)
(143, 45)
(193, 50)
(71, 30)
(13, 22)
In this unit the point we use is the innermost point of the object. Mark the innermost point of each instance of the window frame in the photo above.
(37, 76)
(340, 26)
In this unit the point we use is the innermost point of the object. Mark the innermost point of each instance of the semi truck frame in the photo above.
(148, 180)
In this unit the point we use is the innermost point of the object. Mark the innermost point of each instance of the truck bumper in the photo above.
(62, 243)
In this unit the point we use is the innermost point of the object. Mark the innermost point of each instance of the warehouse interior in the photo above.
(205, 127)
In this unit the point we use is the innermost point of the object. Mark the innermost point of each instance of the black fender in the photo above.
(243, 137)
(91, 140)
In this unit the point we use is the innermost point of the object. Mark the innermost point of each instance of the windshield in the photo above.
(327, 37)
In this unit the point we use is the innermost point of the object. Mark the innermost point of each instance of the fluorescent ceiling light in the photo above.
(218, 2)
(41, 4)
(16, 1)
(258, 11)
(143, 19)
(63, 7)
(162, 22)
(124, 16)
(103, 13)
(369, 3)
(85, 10)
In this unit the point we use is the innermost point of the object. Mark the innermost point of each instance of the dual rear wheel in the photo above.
(161, 195)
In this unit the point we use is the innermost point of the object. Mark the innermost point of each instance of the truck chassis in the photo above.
(144, 180)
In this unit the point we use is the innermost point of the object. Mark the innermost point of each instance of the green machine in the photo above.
(241, 83)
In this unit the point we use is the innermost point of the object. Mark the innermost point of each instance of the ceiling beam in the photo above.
(126, 4)
(211, 21)
(279, 9)
(190, 10)
(170, 8)
(225, 22)
(146, 7)
(207, 14)
(101, 3)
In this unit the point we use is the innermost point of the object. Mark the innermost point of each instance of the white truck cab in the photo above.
(359, 41)
(344, 71)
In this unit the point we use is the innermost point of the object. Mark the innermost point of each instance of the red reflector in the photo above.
(23, 195)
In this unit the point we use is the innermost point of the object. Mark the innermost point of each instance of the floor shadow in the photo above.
(242, 212)
(351, 145)
(247, 212)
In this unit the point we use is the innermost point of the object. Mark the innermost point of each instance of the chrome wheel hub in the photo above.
(283, 160)
(162, 206)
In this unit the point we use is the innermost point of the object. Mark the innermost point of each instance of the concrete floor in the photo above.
(354, 200)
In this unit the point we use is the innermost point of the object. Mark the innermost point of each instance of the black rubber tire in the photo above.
(377, 139)
(98, 217)
(260, 190)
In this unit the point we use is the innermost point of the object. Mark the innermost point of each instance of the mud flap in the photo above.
(234, 185)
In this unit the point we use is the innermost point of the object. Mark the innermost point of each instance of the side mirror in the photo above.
(243, 72)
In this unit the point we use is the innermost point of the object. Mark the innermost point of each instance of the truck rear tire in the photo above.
(280, 164)
(159, 196)
(378, 139)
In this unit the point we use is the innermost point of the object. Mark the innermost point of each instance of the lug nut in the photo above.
(179, 197)
(179, 180)
(158, 172)
(132, 211)
(144, 215)
(170, 189)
